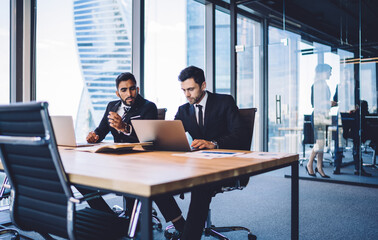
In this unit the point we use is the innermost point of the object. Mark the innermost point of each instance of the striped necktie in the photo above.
(127, 109)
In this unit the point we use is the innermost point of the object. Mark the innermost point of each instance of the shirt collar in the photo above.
(125, 106)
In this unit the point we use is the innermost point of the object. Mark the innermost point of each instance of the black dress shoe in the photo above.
(171, 233)
(363, 173)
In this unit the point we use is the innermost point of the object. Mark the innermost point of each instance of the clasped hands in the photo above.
(201, 144)
(115, 121)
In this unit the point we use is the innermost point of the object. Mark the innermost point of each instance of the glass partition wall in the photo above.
(322, 98)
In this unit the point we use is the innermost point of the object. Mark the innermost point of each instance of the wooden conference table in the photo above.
(146, 175)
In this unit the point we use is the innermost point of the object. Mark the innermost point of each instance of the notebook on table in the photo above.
(166, 135)
(64, 132)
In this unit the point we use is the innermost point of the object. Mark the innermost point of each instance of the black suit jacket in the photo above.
(141, 109)
(222, 122)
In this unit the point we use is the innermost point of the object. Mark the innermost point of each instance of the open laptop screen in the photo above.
(167, 135)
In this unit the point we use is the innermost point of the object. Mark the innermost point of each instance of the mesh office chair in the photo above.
(248, 117)
(41, 195)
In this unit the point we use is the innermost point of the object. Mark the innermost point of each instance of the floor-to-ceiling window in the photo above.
(248, 61)
(222, 52)
(81, 48)
(4, 49)
(248, 68)
(173, 40)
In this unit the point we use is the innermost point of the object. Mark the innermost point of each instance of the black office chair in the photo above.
(41, 195)
(371, 134)
(248, 117)
(6, 232)
(308, 137)
(161, 113)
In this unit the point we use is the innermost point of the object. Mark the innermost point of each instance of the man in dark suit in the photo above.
(118, 114)
(117, 120)
(213, 121)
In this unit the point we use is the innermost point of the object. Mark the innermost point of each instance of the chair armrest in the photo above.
(85, 197)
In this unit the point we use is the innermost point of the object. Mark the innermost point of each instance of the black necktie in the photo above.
(200, 116)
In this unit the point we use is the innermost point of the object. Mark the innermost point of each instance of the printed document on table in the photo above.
(263, 155)
(208, 154)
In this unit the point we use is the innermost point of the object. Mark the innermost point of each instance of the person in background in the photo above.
(359, 115)
(321, 102)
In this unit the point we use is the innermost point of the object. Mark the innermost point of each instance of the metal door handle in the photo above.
(278, 109)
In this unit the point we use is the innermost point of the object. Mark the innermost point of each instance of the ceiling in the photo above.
(333, 22)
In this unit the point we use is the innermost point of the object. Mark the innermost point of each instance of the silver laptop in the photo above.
(167, 135)
(65, 132)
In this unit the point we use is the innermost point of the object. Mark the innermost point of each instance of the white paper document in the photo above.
(262, 155)
(208, 154)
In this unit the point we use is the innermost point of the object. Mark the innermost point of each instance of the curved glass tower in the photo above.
(103, 39)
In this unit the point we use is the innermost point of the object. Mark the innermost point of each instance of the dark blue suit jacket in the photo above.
(222, 122)
(141, 109)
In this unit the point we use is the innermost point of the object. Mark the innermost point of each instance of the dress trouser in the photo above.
(197, 214)
(167, 205)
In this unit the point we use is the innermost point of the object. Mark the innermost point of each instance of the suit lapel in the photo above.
(209, 110)
(116, 106)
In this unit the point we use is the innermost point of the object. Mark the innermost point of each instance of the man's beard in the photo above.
(127, 104)
(197, 99)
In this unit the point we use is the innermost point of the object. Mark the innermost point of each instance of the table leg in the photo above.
(294, 201)
(146, 220)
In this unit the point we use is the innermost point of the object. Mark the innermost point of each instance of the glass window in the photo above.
(173, 40)
(368, 85)
(4, 49)
(248, 62)
(81, 85)
(222, 53)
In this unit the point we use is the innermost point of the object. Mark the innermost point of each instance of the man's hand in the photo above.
(201, 144)
(115, 121)
(92, 137)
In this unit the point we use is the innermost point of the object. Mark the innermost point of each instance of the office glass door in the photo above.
(284, 133)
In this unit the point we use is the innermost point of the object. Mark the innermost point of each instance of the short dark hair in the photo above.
(124, 77)
(192, 72)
